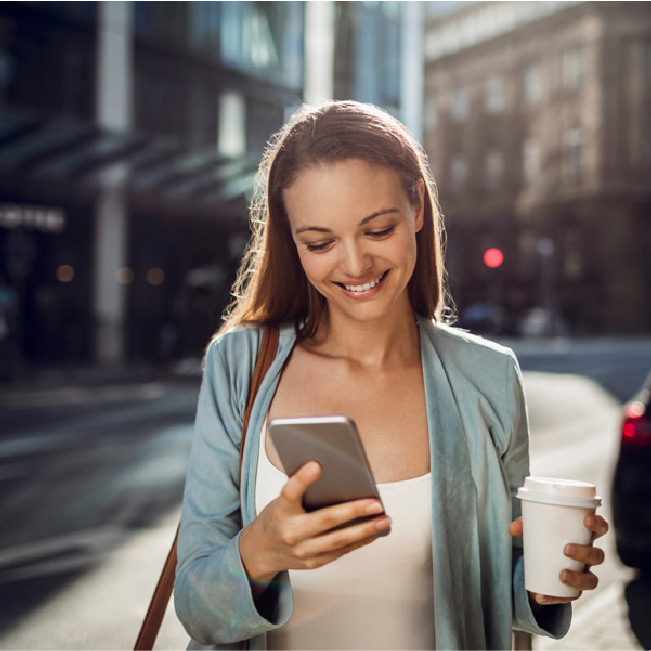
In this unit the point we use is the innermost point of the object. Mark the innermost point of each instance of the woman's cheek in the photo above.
(314, 269)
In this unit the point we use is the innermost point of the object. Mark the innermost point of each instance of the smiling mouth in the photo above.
(366, 286)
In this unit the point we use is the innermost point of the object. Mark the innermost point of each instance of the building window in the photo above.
(246, 38)
(431, 117)
(527, 242)
(458, 172)
(530, 160)
(231, 138)
(459, 104)
(532, 83)
(493, 168)
(573, 259)
(574, 67)
(204, 24)
(573, 153)
(494, 99)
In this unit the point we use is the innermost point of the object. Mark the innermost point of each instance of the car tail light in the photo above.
(636, 429)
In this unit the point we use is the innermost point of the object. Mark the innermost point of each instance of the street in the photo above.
(83, 471)
(92, 477)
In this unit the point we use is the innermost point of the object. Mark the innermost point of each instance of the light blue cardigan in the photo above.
(478, 434)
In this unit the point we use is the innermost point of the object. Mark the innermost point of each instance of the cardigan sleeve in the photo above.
(212, 594)
(552, 621)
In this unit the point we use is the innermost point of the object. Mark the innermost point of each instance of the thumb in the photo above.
(299, 482)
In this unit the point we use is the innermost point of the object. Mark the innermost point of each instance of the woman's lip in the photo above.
(367, 292)
(364, 281)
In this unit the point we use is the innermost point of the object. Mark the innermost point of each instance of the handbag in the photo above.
(165, 585)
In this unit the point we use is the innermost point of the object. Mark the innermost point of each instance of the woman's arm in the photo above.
(213, 596)
(554, 620)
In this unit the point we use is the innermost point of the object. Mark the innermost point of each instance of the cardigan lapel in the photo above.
(458, 615)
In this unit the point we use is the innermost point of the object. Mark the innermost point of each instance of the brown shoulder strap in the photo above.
(165, 586)
(266, 356)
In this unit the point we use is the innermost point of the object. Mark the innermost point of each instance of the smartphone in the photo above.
(334, 443)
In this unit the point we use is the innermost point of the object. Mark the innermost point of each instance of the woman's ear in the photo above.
(419, 214)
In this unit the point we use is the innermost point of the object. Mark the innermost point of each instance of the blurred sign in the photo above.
(39, 218)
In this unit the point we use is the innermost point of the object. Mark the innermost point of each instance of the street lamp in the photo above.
(546, 250)
(493, 259)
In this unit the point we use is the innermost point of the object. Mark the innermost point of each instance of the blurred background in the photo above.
(130, 134)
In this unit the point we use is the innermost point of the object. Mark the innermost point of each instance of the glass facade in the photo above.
(47, 57)
(210, 82)
(260, 38)
(212, 50)
(377, 54)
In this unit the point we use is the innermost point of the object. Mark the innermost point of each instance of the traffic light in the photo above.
(493, 258)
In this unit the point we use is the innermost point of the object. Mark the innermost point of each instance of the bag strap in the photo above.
(266, 356)
(165, 586)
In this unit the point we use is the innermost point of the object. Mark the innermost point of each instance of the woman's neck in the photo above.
(394, 340)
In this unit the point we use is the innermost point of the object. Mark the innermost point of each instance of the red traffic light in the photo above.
(493, 258)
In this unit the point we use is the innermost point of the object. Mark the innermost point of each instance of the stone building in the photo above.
(537, 122)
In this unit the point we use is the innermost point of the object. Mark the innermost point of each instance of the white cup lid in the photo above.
(561, 492)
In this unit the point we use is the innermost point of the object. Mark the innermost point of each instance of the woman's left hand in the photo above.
(587, 554)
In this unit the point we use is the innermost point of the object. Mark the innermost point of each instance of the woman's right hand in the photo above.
(285, 537)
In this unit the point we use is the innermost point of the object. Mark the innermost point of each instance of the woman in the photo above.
(347, 256)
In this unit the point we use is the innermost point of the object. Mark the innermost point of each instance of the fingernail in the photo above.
(383, 523)
(374, 508)
(542, 599)
(570, 550)
(591, 521)
(565, 576)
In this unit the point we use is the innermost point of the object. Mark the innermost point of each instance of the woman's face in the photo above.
(355, 232)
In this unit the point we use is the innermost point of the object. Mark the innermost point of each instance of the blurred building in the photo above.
(129, 138)
(130, 133)
(537, 121)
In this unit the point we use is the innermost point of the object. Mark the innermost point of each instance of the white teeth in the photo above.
(365, 287)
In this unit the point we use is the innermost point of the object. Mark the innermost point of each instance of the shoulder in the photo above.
(484, 376)
(242, 339)
(236, 349)
(464, 346)
(473, 362)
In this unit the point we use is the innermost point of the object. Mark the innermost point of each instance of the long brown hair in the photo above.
(271, 286)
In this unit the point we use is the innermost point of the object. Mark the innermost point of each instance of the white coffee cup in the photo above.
(552, 516)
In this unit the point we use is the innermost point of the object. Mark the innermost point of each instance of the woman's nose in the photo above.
(355, 261)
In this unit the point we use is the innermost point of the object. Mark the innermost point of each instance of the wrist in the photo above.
(253, 561)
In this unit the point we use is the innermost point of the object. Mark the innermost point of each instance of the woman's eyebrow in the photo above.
(366, 220)
(384, 211)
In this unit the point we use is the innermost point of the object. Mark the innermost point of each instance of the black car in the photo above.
(632, 483)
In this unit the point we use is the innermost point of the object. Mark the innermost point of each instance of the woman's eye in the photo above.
(383, 233)
(321, 246)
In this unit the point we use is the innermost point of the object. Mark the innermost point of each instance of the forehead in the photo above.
(352, 187)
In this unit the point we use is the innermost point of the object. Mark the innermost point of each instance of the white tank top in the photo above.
(378, 597)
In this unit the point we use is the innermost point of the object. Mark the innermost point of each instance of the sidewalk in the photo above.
(83, 615)
(48, 380)
(599, 624)
(575, 345)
